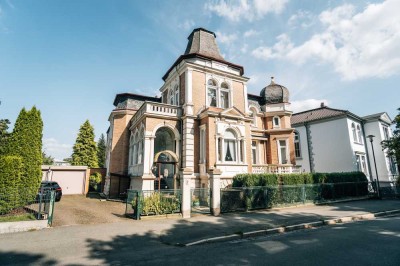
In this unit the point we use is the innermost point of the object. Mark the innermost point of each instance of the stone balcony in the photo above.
(157, 109)
(276, 169)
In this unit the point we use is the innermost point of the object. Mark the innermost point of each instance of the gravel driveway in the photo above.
(79, 209)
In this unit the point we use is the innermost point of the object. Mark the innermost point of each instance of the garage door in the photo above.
(71, 182)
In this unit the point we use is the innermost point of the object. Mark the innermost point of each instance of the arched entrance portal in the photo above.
(165, 160)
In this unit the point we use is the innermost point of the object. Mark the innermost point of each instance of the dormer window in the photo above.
(276, 121)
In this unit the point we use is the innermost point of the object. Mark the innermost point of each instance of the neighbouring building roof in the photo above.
(202, 44)
(321, 113)
(383, 116)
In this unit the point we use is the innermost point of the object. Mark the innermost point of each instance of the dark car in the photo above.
(47, 186)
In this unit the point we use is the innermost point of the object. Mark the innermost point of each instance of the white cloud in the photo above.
(225, 38)
(303, 19)
(245, 9)
(304, 105)
(187, 24)
(56, 149)
(250, 33)
(358, 45)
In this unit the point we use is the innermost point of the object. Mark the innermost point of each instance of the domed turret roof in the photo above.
(274, 93)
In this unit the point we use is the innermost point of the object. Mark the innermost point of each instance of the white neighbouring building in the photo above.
(333, 140)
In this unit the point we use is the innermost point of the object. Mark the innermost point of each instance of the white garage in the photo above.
(72, 179)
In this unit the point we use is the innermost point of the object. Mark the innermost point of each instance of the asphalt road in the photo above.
(374, 242)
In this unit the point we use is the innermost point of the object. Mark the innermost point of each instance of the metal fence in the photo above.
(152, 202)
(251, 198)
(389, 189)
(201, 200)
(14, 207)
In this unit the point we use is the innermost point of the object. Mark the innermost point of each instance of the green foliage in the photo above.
(85, 149)
(157, 203)
(47, 159)
(393, 144)
(4, 134)
(101, 151)
(94, 180)
(251, 180)
(26, 141)
(10, 178)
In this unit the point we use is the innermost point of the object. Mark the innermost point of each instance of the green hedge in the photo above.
(332, 186)
(10, 178)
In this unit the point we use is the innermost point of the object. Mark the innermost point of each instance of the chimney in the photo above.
(322, 104)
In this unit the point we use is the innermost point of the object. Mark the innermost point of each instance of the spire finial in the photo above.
(272, 80)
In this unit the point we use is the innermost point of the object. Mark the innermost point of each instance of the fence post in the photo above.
(303, 193)
(186, 208)
(215, 177)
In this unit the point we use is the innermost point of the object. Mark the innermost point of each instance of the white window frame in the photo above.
(202, 156)
(254, 151)
(359, 134)
(176, 99)
(214, 88)
(228, 98)
(274, 119)
(280, 151)
(354, 132)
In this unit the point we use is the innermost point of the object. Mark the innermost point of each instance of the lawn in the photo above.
(17, 218)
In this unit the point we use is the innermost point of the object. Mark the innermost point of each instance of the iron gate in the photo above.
(201, 200)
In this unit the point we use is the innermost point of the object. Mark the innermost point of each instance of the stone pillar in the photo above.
(215, 178)
(186, 176)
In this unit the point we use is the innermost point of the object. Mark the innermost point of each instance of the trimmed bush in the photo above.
(157, 203)
(255, 180)
(10, 178)
(94, 181)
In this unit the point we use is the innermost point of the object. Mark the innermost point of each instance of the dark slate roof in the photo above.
(254, 98)
(202, 44)
(319, 114)
(274, 93)
(124, 97)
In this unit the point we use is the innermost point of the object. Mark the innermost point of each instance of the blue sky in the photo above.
(70, 58)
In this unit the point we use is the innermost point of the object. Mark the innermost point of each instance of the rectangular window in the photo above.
(297, 150)
(386, 133)
(254, 152)
(283, 152)
(202, 145)
(212, 97)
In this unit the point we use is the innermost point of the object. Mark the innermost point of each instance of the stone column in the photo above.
(186, 176)
(215, 178)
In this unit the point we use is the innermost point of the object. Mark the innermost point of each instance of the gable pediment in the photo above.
(232, 112)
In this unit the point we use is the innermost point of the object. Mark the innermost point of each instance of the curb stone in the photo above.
(289, 228)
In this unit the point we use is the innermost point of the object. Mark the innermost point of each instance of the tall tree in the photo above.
(26, 141)
(4, 134)
(85, 150)
(47, 159)
(101, 151)
(393, 144)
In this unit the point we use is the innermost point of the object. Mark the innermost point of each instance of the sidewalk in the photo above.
(207, 228)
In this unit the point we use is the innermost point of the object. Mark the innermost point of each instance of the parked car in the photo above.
(47, 186)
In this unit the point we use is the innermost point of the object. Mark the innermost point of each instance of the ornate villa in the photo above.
(204, 123)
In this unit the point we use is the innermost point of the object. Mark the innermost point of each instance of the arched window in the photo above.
(171, 96)
(164, 140)
(230, 146)
(253, 116)
(140, 147)
(131, 145)
(276, 122)
(224, 93)
(135, 149)
(353, 129)
(212, 93)
(176, 102)
(360, 140)
(297, 149)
